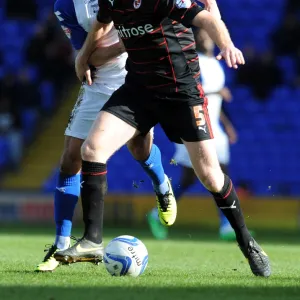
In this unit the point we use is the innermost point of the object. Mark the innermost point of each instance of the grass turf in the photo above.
(190, 265)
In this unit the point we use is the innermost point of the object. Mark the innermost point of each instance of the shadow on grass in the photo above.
(150, 293)
(176, 233)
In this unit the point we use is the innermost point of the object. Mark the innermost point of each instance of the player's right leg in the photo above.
(122, 118)
(107, 135)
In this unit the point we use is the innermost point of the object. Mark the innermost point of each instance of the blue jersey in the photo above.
(76, 18)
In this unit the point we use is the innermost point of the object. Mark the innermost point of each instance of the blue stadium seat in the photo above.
(288, 67)
(48, 96)
(29, 122)
(13, 58)
(27, 28)
(4, 150)
(2, 13)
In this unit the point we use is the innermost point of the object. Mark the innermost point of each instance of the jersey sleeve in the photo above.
(65, 13)
(105, 9)
(183, 11)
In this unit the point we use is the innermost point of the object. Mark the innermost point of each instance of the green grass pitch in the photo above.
(190, 265)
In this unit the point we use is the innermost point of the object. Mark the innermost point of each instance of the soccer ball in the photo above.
(125, 256)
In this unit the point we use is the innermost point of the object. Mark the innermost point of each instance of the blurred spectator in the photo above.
(286, 39)
(297, 80)
(261, 73)
(58, 53)
(10, 123)
(35, 52)
(21, 9)
(293, 5)
(48, 49)
(27, 91)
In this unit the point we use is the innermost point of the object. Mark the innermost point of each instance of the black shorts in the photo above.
(186, 120)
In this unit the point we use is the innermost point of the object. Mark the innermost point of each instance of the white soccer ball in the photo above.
(125, 256)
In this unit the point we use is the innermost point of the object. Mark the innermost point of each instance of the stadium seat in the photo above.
(4, 150)
(48, 96)
(29, 122)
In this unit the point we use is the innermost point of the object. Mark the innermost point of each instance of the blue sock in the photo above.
(65, 199)
(153, 167)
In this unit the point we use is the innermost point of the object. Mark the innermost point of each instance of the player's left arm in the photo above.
(100, 28)
(190, 13)
(229, 128)
(212, 7)
(218, 32)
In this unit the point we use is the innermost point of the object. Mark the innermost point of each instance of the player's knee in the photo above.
(213, 180)
(91, 152)
(88, 151)
(71, 161)
(139, 148)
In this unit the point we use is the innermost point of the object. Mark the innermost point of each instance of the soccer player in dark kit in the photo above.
(162, 86)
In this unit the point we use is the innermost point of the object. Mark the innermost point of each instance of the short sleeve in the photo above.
(65, 13)
(182, 11)
(105, 9)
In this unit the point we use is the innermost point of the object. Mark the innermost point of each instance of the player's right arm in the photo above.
(104, 54)
(101, 26)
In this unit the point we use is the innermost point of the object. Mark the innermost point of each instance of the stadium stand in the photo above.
(267, 155)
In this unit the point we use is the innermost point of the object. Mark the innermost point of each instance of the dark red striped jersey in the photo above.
(160, 44)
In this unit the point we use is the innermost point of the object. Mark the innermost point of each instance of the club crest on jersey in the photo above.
(137, 3)
(183, 3)
(67, 31)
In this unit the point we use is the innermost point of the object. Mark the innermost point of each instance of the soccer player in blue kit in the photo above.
(76, 18)
(161, 86)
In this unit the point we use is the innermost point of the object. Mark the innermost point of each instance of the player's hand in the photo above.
(232, 134)
(83, 71)
(226, 94)
(232, 56)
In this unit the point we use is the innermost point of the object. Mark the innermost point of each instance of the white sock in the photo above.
(163, 188)
(62, 242)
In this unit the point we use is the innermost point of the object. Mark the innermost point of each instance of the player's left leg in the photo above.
(187, 179)
(148, 156)
(226, 232)
(207, 168)
(190, 124)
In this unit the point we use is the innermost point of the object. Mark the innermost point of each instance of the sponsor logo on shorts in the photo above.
(202, 128)
(134, 31)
